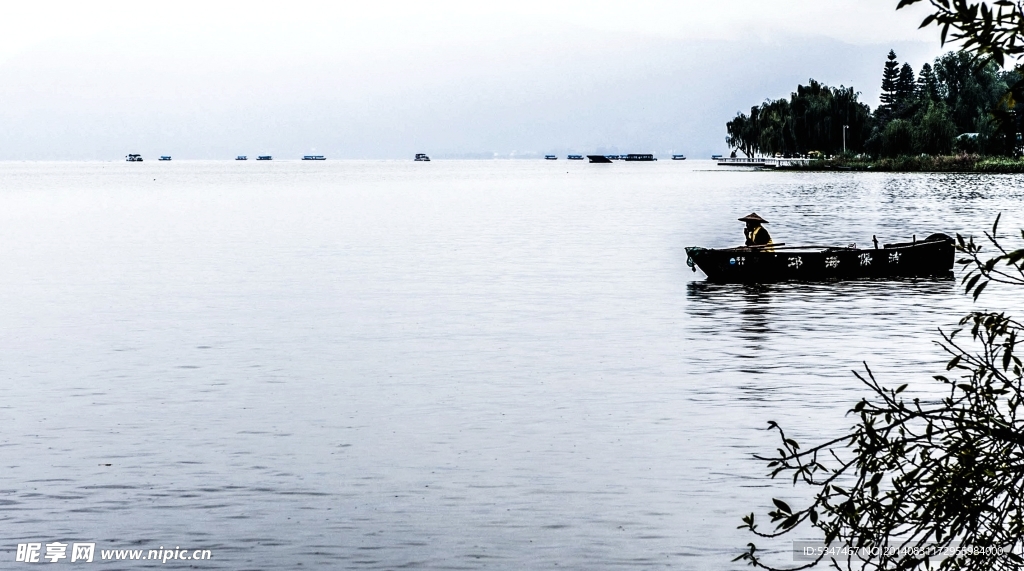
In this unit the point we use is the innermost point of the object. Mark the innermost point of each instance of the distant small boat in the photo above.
(314, 158)
(550, 158)
(165, 157)
(575, 157)
(639, 157)
(241, 158)
(134, 158)
(716, 157)
(611, 157)
(678, 157)
(264, 158)
(599, 159)
(422, 157)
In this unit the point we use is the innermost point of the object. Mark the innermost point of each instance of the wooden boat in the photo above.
(760, 264)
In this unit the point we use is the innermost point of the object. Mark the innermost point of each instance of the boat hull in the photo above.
(931, 257)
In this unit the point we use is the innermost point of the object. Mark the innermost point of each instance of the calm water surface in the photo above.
(446, 365)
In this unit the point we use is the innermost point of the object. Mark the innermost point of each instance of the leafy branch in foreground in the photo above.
(993, 29)
(916, 478)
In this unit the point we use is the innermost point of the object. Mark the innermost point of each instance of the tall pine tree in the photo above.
(927, 84)
(905, 86)
(889, 78)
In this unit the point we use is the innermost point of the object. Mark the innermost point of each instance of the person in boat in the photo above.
(755, 233)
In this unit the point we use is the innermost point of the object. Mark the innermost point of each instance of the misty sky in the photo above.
(211, 80)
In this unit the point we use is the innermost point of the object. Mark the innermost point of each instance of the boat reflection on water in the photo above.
(732, 330)
(752, 303)
(777, 333)
(714, 305)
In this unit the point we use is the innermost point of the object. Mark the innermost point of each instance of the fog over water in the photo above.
(386, 80)
(445, 365)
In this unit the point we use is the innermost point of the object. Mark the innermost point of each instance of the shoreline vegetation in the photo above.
(957, 114)
(962, 163)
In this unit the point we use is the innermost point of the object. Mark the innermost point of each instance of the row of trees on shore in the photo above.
(955, 104)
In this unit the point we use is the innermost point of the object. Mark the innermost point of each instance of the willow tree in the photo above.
(812, 119)
(820, 113)
(776, 128)
(743, 132)
(922, 483)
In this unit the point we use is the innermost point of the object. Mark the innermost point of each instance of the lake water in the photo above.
(445, 365)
